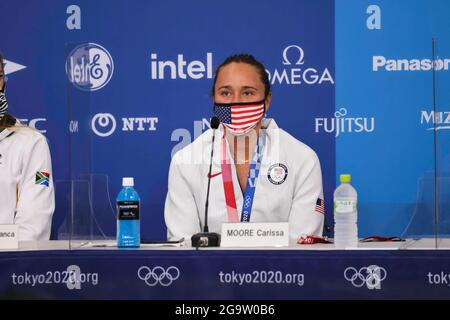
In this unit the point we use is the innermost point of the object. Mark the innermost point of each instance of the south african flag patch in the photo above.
(42, 178)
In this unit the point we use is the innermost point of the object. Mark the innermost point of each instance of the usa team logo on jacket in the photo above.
(277, 173)
(42, 178)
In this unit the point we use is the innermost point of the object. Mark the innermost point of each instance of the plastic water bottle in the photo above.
(345, 214)
(128, 223)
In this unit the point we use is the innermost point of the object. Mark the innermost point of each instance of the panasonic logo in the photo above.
(384, 64)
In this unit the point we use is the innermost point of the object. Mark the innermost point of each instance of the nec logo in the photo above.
(37, 123)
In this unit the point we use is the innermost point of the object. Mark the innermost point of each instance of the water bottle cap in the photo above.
(345, 178)
(127, 182)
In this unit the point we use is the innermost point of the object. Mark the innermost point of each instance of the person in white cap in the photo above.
(257, 166)
(27, 196)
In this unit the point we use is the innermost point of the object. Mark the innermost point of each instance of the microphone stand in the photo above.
(206, 238)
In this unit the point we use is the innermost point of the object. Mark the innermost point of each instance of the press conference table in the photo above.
(98, 270)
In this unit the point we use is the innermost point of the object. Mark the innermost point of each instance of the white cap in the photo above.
(127, 182)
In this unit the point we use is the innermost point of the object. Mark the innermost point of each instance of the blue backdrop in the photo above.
(151, 65)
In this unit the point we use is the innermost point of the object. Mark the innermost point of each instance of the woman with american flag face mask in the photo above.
(256, 165)
(26, 183)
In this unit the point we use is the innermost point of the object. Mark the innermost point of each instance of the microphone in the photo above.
(206, 238)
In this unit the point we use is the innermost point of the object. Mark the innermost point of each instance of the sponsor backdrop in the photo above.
(384, 77)
(118, 87)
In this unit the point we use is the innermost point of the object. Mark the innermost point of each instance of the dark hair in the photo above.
(7, 121)
(248, 59)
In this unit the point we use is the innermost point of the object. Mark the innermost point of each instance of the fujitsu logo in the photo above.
(343, 124)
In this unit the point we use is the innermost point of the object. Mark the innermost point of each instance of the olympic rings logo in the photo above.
(371, 276)
(158, 275)
(247, 201)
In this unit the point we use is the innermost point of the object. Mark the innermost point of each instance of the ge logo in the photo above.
(89, 67)
(370, 276)
(103, 124)
(158, 275)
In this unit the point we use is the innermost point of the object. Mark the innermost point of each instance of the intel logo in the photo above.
(89, 67)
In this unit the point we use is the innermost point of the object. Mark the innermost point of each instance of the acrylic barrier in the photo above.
(409, 198)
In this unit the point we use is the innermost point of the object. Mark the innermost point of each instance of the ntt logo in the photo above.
(89, 67)
(103, 124)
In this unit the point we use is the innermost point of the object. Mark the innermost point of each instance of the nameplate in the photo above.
(253, 234)
(9, 236)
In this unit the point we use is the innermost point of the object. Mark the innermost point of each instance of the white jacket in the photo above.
(26, 195)
(292, 199)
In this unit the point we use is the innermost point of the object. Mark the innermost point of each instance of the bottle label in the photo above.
(345, 206)
(128, 210)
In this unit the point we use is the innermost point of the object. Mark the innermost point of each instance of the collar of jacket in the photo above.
(5, 133)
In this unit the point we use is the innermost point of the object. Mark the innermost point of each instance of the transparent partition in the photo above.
(389, 126)
(387, 97)
(61, 215)
(442, 129)
(91, 214)
(429, 226)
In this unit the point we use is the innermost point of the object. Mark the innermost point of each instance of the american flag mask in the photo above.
(240, 118)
